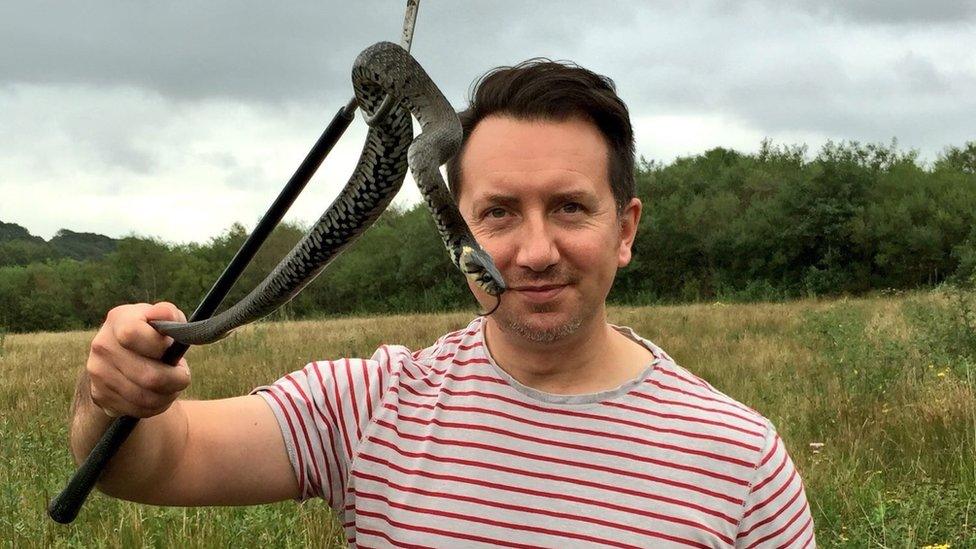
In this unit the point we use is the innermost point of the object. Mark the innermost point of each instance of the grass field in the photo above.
(887, 385)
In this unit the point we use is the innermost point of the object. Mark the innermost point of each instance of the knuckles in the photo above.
(128, 334)
(100, 346)
(123, 311)
(96, 395)
(97, 369)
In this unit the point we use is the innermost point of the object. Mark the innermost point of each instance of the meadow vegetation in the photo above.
(875, 397)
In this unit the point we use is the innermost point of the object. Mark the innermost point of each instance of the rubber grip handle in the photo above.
(65, 506)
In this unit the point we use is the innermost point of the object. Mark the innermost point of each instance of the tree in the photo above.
(958, 159)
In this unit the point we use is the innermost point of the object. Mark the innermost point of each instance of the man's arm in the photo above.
(221, 452)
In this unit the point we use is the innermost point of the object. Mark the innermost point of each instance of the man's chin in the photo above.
(540, 327)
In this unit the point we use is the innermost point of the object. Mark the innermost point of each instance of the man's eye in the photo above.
(496, 213)
(572, 207)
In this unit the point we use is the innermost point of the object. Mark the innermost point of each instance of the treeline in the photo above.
(724, 225)
(776, 224)
(19, 247)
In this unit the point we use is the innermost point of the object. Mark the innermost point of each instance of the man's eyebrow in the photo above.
(500, 199)
(570, 196)
(497, 198)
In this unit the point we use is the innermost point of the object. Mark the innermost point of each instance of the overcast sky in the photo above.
(176, 119)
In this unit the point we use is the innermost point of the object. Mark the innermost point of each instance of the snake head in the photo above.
(478, 266)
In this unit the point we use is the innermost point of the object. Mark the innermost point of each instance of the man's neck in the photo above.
(595, 358)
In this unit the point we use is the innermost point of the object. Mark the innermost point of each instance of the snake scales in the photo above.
(384, 69)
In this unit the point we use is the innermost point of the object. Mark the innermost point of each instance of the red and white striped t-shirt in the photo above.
(442, 448)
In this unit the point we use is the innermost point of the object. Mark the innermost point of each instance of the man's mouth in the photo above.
(539, 293)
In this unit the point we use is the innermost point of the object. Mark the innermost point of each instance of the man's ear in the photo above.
(629, 217)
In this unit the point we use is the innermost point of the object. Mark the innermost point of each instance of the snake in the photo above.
(390, 87)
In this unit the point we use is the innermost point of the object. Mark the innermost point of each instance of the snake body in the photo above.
(380, 71)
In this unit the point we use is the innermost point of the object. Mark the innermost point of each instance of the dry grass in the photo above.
(871, 379)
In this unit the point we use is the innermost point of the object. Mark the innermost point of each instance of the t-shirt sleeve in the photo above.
(776, 512)
(322, 410)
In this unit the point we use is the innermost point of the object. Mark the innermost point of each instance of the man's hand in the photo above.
(125, 374)
(218, 452)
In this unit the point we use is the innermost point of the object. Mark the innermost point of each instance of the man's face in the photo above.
(537, 198)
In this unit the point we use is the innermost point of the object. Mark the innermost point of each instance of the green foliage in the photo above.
(965, 253)
(13, 231)
(722, 225)
(398, 265)
(81, 245)
(19, 247)
(25, 252)
(894, 405)
(958, 159)
(949, 329)
(776, 224)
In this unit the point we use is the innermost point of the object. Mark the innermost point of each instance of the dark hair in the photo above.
(542, 89)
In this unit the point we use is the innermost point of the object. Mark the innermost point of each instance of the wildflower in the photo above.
(816, 446)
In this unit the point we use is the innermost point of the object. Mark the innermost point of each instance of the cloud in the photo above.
(897, 12)
(214, 162)
(191, 50)
(113, 114)
(815, 78)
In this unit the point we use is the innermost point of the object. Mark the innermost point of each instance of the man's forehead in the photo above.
(505, 155)
(514, 184)
(530, 142)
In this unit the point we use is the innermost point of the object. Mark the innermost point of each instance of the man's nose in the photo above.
(536, 244)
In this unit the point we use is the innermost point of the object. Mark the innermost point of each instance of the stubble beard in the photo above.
(545, 335)
(539, 334)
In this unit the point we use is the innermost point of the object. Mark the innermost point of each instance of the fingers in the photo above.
(126, 376)
(165, 311)
(151, 375)
(131, 328)
(130, 401)
(127, 383)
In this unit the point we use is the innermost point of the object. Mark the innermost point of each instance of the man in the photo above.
(541, 424)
